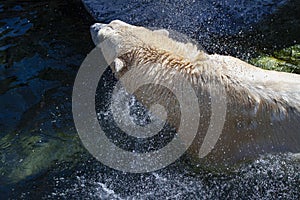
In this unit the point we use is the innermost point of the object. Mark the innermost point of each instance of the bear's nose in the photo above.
(94, 29)
(97, 26)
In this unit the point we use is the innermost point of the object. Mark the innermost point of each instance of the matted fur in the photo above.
(263, 107)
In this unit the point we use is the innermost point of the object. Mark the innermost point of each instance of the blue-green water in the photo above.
(42, 45)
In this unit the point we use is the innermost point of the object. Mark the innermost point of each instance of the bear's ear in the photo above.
(162, 32)
(117, 65)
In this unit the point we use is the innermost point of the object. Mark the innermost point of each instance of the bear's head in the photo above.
(119, 38)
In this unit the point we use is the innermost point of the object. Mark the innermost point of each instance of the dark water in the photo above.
(42, 45)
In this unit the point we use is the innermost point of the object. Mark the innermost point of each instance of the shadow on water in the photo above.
(42, 45)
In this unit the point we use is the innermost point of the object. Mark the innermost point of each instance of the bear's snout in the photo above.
(94, 29)
(97, 26)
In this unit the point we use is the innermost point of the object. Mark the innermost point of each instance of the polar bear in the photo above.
(262, 107)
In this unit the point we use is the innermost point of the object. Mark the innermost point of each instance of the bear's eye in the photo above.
(109, 27)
